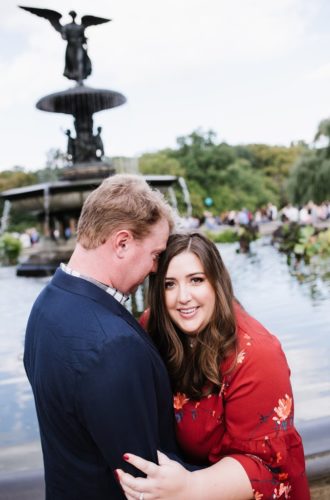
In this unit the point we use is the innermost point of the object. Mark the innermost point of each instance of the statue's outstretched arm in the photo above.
(92, 20)
(52, 16)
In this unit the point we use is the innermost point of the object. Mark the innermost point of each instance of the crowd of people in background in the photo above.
(311, 213)
(30, 237)
(307, 214)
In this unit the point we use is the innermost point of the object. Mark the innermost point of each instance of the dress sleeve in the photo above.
(258, 417)
(144, 318)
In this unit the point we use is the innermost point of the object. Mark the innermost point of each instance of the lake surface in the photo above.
(294, 306)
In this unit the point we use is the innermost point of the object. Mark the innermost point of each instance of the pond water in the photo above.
(295, 308)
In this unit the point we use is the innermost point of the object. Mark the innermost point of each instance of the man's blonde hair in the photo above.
(122, 201)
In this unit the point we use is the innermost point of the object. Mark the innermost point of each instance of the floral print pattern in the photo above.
(240, 357)
(283, 411)
(179, 400)
(282, 490)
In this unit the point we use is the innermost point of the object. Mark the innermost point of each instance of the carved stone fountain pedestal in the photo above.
(85, 151)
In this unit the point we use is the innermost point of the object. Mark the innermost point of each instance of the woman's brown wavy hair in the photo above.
(194, 371)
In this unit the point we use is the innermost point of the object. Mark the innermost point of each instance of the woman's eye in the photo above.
(169, 284)
(197, 279)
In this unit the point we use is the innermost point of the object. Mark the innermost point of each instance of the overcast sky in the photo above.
(254, 71)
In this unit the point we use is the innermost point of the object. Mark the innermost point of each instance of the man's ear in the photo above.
(121, 242)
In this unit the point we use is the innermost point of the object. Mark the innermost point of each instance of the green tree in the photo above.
(310, 176)
(230, 175)
(17, 177)
(276, 162)
(160, 163)
(241, 186)
(202, 159)
(323, 131)
(197, 195)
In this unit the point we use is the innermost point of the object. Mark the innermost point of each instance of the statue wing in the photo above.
(92, 20)
(52, 16)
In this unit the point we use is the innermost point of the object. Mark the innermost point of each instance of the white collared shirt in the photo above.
(116, 294)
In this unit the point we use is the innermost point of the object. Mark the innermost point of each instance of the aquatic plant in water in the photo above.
(307, 250)
(244, 235)
(302, 242)
(225, 236)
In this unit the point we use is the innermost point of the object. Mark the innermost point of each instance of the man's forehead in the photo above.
(159, 244)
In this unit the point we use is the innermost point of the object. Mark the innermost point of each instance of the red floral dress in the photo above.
(251, 419)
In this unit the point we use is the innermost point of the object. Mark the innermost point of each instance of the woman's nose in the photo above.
(184, 294)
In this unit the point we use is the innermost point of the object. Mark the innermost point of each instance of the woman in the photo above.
(237, 419)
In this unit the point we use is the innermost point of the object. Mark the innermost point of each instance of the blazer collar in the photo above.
(85, 288)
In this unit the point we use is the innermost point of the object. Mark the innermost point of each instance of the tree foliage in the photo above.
(310, 176)
(232, 176)
(323, 130)
(159, 163)
(17, 177)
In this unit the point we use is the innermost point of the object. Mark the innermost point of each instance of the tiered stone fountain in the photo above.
(58, 204)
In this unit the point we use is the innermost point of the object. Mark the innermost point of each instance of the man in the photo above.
(99, 385)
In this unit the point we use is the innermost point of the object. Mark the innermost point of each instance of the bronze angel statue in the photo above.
(78, 65)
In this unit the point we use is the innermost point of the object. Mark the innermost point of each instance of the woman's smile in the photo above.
(188, 312)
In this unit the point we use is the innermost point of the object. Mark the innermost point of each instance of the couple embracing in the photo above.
(192, 402)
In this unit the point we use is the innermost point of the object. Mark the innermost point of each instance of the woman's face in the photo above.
(189, 296)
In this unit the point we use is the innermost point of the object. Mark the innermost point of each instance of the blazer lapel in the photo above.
(83, 287)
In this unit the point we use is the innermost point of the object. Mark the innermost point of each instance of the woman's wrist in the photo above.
(195, 489)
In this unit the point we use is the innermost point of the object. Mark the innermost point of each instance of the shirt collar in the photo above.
(116, 294)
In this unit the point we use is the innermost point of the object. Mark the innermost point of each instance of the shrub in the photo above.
(10, 248)
(226, 236)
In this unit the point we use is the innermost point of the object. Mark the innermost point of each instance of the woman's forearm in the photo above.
(225, 480)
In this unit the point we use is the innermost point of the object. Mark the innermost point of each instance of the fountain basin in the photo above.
(72, 101)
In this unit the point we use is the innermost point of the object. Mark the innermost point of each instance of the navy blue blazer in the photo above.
(100, 388)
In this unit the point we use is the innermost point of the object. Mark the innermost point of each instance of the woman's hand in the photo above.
(224, 480)
(168, 480)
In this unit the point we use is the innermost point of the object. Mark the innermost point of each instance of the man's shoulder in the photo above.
(74, 315)
(66, 292)
(80, 318)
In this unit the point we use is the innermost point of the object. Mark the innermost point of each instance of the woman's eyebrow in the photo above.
(188, 275)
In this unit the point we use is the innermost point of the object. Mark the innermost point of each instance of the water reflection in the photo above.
(315, 277)
(296, 310)
(17, 412)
